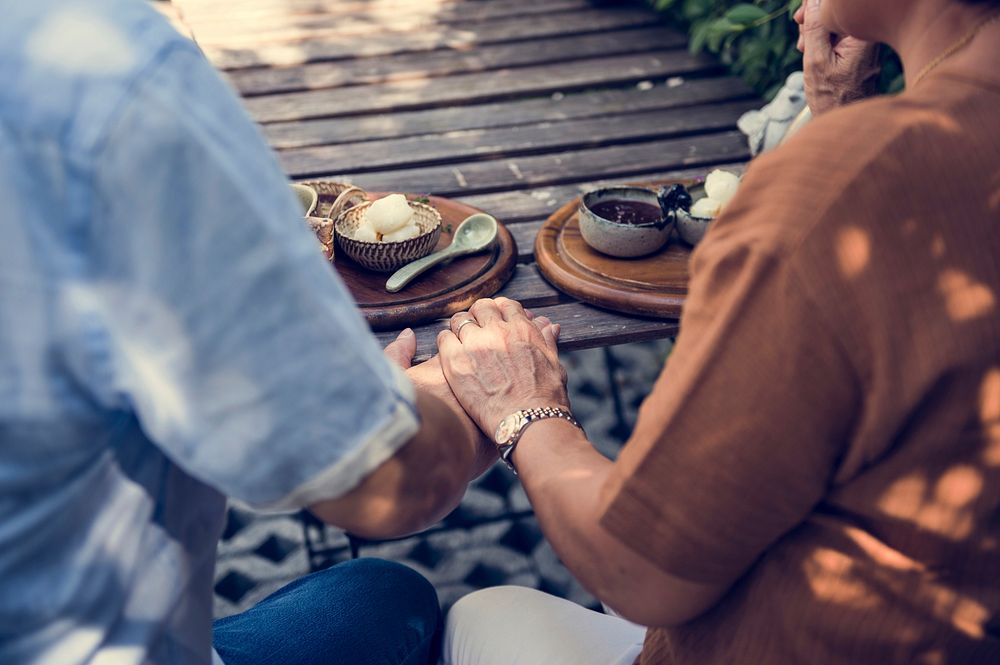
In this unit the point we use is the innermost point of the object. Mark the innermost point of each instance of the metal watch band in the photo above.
(528, 416)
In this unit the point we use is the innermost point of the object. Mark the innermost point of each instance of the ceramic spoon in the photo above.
(473, 235)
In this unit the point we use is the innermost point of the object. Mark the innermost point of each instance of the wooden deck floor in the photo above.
(512, 106)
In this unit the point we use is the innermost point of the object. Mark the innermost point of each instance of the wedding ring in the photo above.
(458, 330)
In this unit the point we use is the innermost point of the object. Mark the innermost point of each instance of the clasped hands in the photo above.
(493, 359)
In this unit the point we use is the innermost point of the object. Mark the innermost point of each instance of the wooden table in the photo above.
(512, 106)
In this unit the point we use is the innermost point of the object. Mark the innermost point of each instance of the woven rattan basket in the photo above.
(388, 256)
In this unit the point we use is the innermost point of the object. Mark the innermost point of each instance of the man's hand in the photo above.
(429, 377)
(400, 351)
(838, 70)
(502, 361)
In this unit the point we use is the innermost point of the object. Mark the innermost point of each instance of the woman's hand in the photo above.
(428, 376)
(837, 70)
(497, 360)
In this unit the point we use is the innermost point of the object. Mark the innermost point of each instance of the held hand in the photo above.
(401, 350)
(497, 361)
(837, 70)
(429, 377)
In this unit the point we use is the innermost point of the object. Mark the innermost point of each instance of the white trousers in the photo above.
(511, 625)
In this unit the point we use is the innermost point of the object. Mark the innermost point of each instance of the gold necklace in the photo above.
(954, 48)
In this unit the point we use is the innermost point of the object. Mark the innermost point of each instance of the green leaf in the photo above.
(696, 9)
(718, 31)
(754, 51)
(698, 37)
(745, 14)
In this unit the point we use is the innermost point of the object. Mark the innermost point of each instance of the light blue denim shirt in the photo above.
(169, 335)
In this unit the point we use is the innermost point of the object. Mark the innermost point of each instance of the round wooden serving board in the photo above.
(654, 285)
(441, 291)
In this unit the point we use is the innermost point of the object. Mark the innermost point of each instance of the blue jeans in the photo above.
(363, 612)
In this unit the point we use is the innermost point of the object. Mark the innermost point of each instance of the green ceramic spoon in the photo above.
(473, 235)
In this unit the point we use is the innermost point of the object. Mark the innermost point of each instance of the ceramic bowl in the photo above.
(692, 229)
(307, 196)
(388, 256)
(617, 239)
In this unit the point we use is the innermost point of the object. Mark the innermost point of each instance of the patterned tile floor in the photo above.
(478, 545)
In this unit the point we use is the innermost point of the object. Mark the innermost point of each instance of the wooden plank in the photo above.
(583, 327)
(590, 104)
(478, 87)
(512, 141)
(523, 172)
(524, 235)
(277, 27)
(451, 37)
(316, 76)
(528, 287)
(213, 10)
(261, 17)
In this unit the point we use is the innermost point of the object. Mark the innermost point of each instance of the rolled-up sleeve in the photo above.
(742, 433)
(219, 323)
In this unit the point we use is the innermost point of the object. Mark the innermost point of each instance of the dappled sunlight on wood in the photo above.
(262, 27)
(964, 297)
(434, 28)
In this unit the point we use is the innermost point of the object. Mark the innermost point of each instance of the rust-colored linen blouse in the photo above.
(825, 436)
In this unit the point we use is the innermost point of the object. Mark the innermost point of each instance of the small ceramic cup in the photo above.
(620, 239)
(307, 196)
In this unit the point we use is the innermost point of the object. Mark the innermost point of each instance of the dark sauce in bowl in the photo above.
(627, 212)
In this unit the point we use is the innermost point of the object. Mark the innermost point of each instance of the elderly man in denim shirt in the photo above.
(170, 335)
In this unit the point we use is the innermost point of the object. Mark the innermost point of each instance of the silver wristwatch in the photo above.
(511, 428)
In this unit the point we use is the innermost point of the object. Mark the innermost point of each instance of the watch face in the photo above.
(508, 426)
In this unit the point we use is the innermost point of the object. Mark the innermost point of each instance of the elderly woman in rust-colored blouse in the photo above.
(815, 478)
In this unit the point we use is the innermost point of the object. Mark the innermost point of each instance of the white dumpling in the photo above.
(365, 233)
(706, 208)
(405, 233)
(721, 186)
(389, 213)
